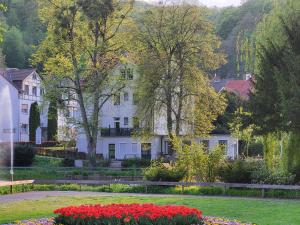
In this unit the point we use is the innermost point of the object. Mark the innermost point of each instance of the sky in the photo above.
(211, 3)
(220, 3)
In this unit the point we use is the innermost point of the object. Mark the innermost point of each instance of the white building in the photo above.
(118, 122)
(25, 88)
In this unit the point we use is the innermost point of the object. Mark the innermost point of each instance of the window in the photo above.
(34, 76)
(126, 121)
(167, 147)
(26, 90)
(136, 122)
(41, 91)
(134, 148)
(146, 150)
(34, 92)
(129, 74)
(117, 99)
(224, 144)
(24, 108)
(123, 73)
(135, 99)
(205, 144)
(24, 128)
(112, 151)
(126, 96)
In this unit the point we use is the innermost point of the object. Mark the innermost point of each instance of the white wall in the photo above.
(29, 99)
(5, 131)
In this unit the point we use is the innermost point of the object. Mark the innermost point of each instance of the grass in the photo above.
(261, 212)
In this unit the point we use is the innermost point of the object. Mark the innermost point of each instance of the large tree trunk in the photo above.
(91, 147)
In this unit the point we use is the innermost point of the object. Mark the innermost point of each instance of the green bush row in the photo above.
(120, 188)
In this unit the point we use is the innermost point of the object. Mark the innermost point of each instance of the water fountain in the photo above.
(6, 123)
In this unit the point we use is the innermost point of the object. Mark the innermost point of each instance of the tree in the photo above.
(177, 48)
(14, 48)
(275, 101)
(52, 121)
(34, 120)
(83, 45)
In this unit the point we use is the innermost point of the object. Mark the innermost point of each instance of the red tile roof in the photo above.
(241, 88)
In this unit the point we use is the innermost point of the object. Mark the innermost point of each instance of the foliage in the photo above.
(23, 155)
(271, 151)
(24, 31)
(256, 149)
(173, 64)
(236, 26)
(240, 129)
(136, 162)
(262, 175)
(159, 171)
(34, 120)
(84, 43)
(198, 164)
(14, 48)
(238, 171)
(275, 102)
(52, 121)
(131, 214)
(234, 102)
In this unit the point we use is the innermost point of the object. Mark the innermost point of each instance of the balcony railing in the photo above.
(115, 132)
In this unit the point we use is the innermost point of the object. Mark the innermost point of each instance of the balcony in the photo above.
(117, 132)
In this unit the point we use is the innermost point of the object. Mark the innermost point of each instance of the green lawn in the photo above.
(261, 212)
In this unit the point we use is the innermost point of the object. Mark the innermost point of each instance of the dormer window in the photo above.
(127, 73)
(26, 90)
(34, 92)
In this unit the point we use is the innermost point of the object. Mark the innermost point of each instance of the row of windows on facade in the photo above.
(145, 150)
(127, 73)
(33, 90)
(25, 109)
(135, 122)
(117, 98)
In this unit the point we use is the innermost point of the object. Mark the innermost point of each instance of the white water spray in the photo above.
(6, 122)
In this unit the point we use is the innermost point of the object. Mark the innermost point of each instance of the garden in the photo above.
(248, 211)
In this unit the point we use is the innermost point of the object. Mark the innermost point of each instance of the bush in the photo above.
(264, 176)
(157, 171)
(255, 149)
(131, 214)
(23, 155)
(136, 162)
(238, 171)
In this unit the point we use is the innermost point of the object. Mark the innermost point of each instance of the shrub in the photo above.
(238, 171)
(157, 171)
(23, 155)
(263, 175)
(255, 149)
(136, 162)
(198, 163)
(131, 214)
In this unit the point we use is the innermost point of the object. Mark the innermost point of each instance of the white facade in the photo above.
(10, 99)
(117, 119)
(25, 88)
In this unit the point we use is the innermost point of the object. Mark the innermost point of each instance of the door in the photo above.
(112, 151)
(146, 150)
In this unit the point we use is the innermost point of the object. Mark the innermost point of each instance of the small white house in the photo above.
(118, 122)
(25, 88)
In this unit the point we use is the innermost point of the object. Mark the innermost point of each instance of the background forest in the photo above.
(234, 25)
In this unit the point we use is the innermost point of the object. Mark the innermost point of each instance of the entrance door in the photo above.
(112, 151)
(146, 150)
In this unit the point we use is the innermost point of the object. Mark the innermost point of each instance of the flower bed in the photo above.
(207, 221)
(128, 214)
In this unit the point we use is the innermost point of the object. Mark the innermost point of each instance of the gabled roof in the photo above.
(241, 88)
(18, 74)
